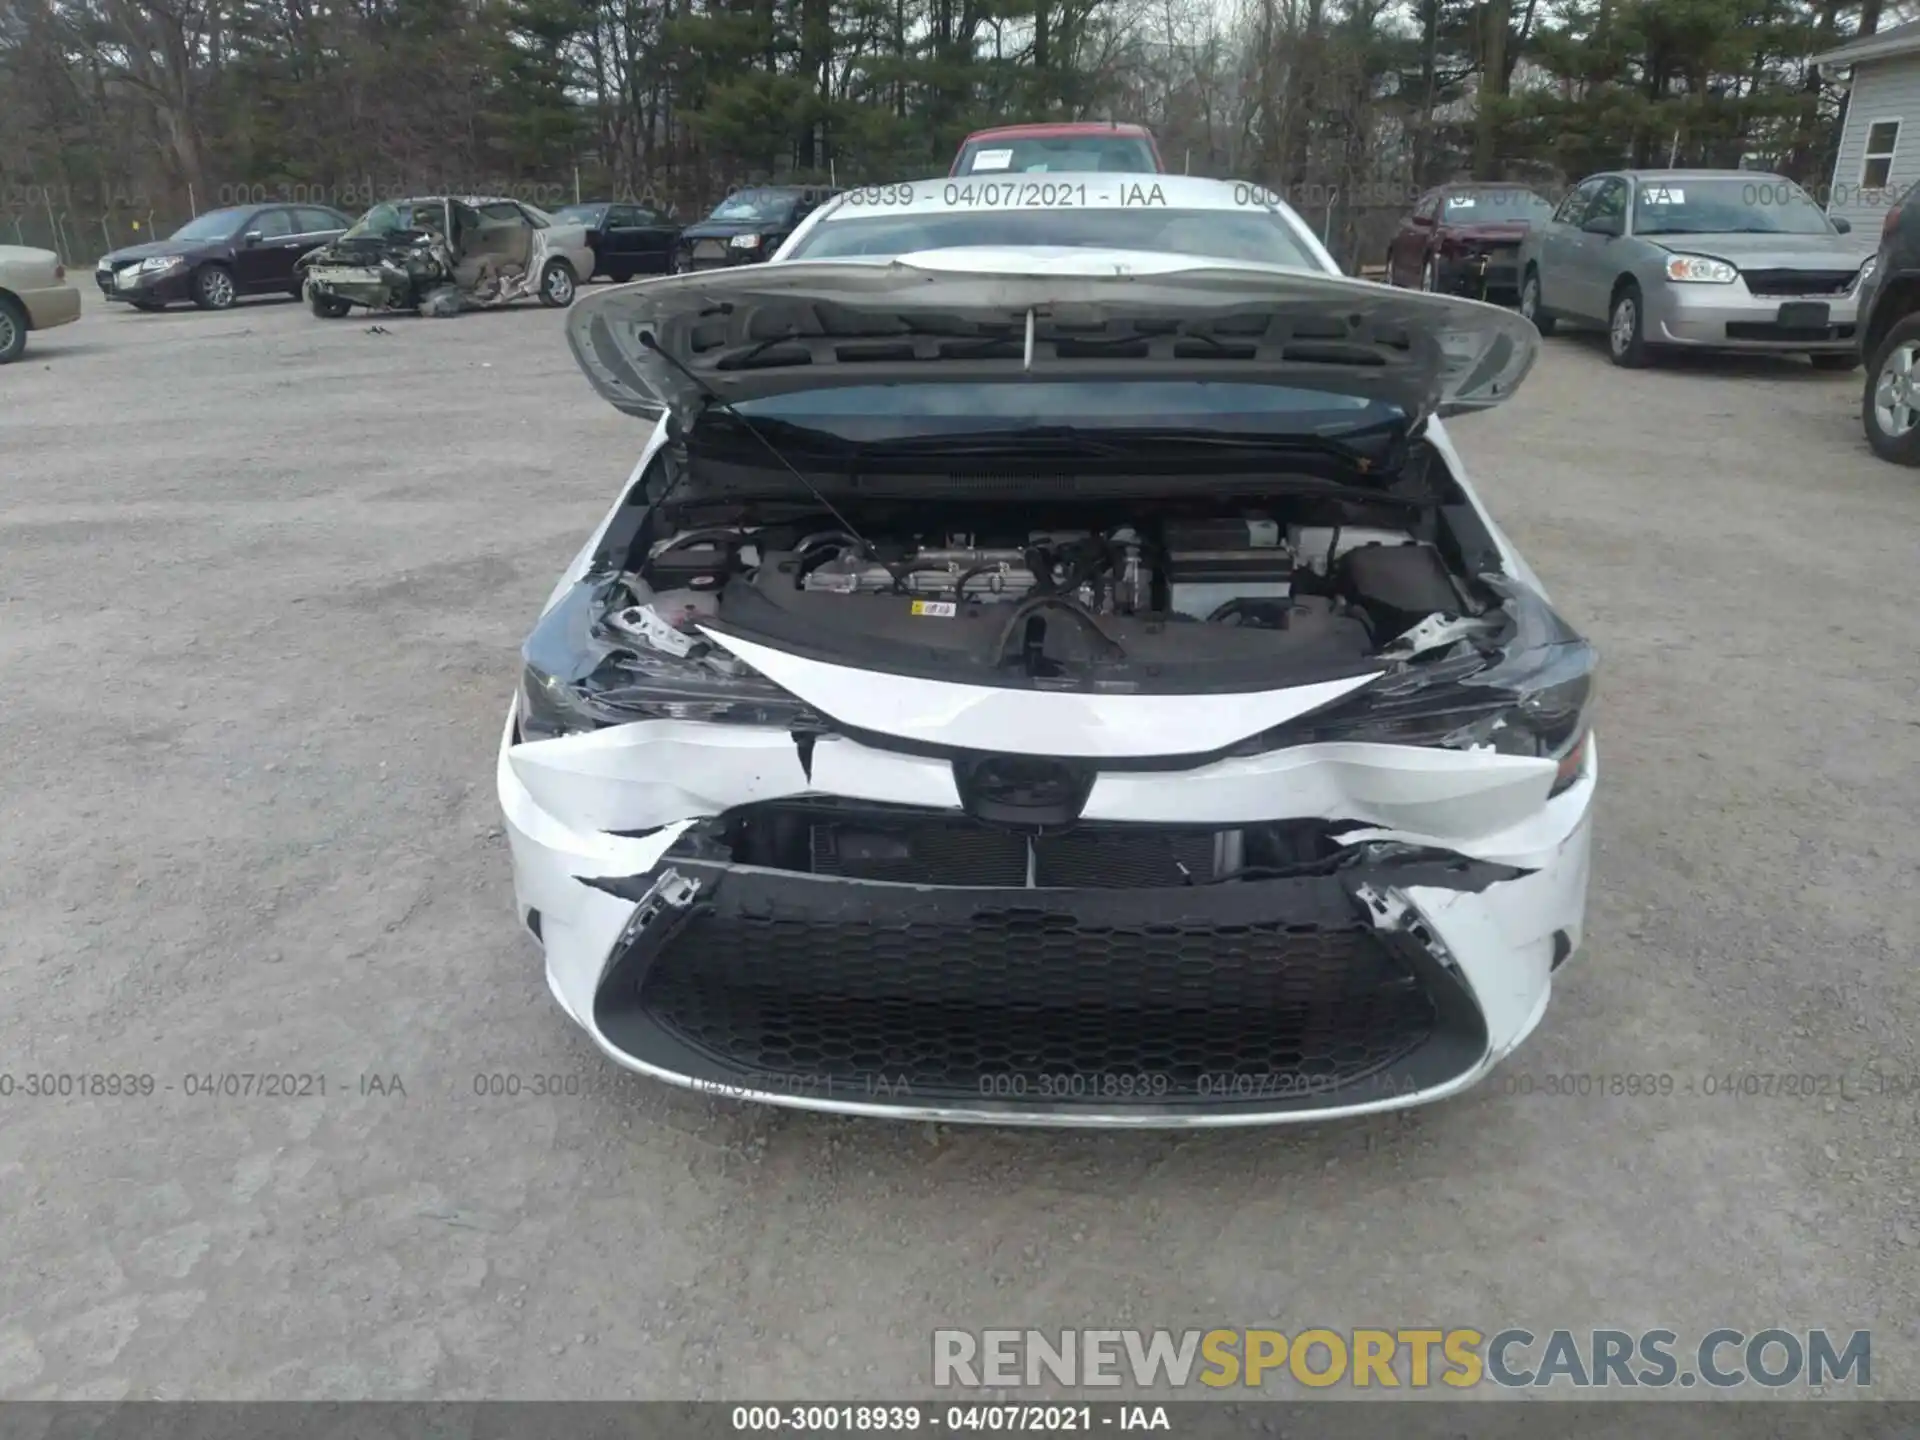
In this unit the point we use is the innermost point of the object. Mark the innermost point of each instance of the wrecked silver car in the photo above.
(442, 254)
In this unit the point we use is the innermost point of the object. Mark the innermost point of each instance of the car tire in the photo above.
(619, 277)
(328, 307)
(1530, 306)
(1837, 361)
(13, 329)
(557, 285)
(1626, 328)
(213, 288)
(1892, 419)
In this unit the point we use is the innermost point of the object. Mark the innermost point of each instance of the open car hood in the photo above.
(1003, 316)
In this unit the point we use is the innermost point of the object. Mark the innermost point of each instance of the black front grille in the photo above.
(1786, 334)
(1261, 995)
(1038, 1005)
(1799, 282)
(1041, 1005)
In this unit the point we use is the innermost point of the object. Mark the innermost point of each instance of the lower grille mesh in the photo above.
(1041, 1005)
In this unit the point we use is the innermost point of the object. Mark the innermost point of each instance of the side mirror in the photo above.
(1420, 219)
(251, 238)
(1842, 224)
(1608, 225)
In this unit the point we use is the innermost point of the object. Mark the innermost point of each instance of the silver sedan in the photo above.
(1707, 259)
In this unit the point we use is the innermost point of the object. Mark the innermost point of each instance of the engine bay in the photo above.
(1165, 595)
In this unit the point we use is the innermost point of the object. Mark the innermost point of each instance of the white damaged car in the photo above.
(1048, 665)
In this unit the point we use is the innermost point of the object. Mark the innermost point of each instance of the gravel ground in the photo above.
(264, 579)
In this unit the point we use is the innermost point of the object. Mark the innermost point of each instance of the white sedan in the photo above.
(1050, 666)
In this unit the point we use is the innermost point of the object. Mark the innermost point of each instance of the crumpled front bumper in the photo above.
(598, 825)
(376, 287)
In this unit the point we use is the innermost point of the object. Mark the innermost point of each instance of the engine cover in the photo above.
(981, 576)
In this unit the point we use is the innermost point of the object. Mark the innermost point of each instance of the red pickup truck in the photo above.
(1069, 145)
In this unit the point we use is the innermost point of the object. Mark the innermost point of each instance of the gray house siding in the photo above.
(1881, 90)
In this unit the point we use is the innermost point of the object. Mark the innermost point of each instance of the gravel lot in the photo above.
(264, 579)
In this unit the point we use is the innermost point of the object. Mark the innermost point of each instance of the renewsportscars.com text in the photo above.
(1415, 1358)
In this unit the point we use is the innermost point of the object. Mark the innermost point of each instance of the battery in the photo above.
(1210, 562)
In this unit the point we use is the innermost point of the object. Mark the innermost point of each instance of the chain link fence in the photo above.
(79, 237)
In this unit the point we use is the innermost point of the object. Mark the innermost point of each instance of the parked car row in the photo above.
(1667, 260)
(1659, 259)
(1662, 259)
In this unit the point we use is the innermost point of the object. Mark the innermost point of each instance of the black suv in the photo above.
(748, 226)
(1890, 337)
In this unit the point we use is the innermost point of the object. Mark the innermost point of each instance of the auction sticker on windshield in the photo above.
(1664, 195)
(993, 160)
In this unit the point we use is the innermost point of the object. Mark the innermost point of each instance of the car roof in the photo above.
(1043, 129)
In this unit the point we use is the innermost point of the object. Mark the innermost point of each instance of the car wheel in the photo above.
(1890, 404)
(213, 288)
(556, 285)
(1626, 338)
(619, 277)
(1841, 361)
(328, 307)
(13, 329)
(1530, 306)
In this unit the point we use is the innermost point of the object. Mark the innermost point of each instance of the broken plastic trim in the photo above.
(1406, 866)
(1523, 684)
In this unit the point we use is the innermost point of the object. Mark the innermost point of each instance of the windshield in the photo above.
(214, 225)
(1122, 154)
(1259, 236)
(1760, 205)
(1467, 206)
(762, 209)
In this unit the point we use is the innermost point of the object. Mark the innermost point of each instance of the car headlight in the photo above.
(645, 669)
(161, 262)
(745, 242)
(1866, 270)
(1533, 697)
(1700, 269)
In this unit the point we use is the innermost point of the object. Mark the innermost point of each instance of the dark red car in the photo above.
(1076, 145)
(1465, 240)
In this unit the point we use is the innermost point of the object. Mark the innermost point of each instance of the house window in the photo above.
(1876, 171)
